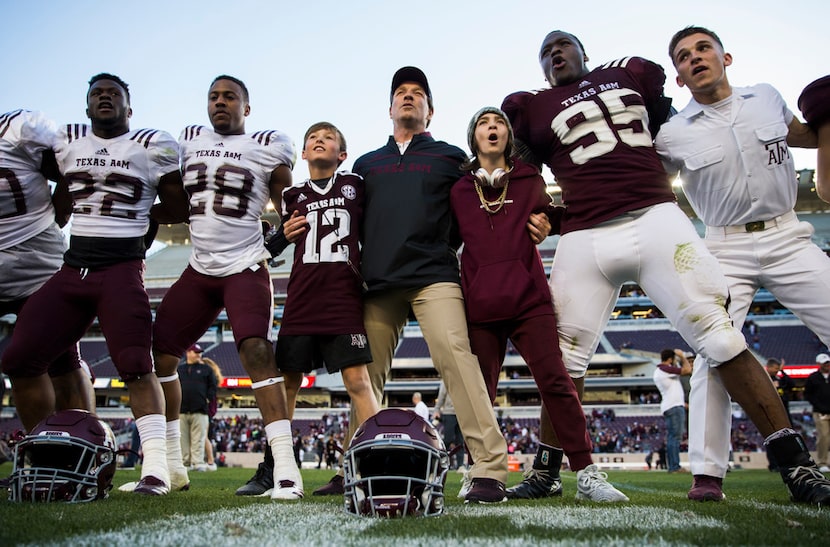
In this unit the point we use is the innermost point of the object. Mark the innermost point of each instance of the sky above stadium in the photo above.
(333, 60)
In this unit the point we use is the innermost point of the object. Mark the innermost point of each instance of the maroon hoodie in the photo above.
(502, 275)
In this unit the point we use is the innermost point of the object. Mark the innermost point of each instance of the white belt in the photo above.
(756, 226)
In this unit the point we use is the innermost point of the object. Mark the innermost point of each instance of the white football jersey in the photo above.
(25, 197)
(226, 177)
(113, 182)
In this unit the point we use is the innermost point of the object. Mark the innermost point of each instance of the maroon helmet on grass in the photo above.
(69, 456)
(395, 466)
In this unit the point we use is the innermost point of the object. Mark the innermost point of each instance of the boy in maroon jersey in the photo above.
(506, 295)
(594, 129)
(323, 319)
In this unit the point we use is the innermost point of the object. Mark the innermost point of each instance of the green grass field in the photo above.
(757, 511)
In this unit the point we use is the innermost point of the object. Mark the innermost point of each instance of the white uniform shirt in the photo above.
(735, 170)
(25, 197)
(671, 390)
(114, 182)
(227, 178)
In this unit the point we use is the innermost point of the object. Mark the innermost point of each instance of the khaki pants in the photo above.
(823, 437)
(194, 432)
(439, 309)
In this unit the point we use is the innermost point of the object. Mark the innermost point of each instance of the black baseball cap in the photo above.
(410, 74)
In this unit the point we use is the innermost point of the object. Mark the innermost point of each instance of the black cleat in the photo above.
(261, 484)
(537, 483)
(807, 485)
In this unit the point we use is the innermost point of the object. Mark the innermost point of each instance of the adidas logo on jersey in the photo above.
(219, 145)
(584, 83)
(102, 152)
(301, 198)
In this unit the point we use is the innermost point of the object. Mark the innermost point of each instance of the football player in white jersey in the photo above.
(113, 175)
(32, 245)
(230, 177)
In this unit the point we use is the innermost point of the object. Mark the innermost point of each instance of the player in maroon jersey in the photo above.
(592, 129)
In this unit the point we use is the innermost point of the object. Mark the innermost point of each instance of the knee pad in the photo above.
(722, 344)
(133, 362)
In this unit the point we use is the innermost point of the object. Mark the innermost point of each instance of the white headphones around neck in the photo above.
(497, 179)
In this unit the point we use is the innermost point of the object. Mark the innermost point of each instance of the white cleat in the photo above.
(592, 485)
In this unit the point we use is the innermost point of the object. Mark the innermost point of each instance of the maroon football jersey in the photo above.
(593, 134)
(324, 289)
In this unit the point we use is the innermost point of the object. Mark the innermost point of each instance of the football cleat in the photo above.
(288, 482)
(287, 490)
(332, 488)
(179, 480)
(537, 483)
(592, 485)
(807, 485)
(260, 484)
(151, 486)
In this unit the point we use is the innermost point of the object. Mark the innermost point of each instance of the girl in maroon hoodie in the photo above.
(506, 293)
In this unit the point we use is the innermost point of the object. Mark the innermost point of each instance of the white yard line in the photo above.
(314, 525)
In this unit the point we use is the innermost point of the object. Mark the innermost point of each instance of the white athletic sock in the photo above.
(174, 444)
(279, 437)
(152, 430)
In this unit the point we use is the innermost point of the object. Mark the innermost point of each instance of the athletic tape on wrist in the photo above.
(171, 378)
(265, 383)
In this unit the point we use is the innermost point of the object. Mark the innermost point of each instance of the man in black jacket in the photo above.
(409, 262)
(198, 389)
(817, 391)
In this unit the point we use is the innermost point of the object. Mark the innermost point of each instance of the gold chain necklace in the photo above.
(488, 205)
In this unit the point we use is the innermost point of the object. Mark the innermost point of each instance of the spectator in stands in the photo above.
(421, 408)
(817, 392)
(198, 389)
(453, 440)
(673, 405)
(730, 147)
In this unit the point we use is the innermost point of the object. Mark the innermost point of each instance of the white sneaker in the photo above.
(592, 485)
(210, 467)
(824, 469)
(128, 486)
(199, 467)
(466, 485)
(288, 482)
